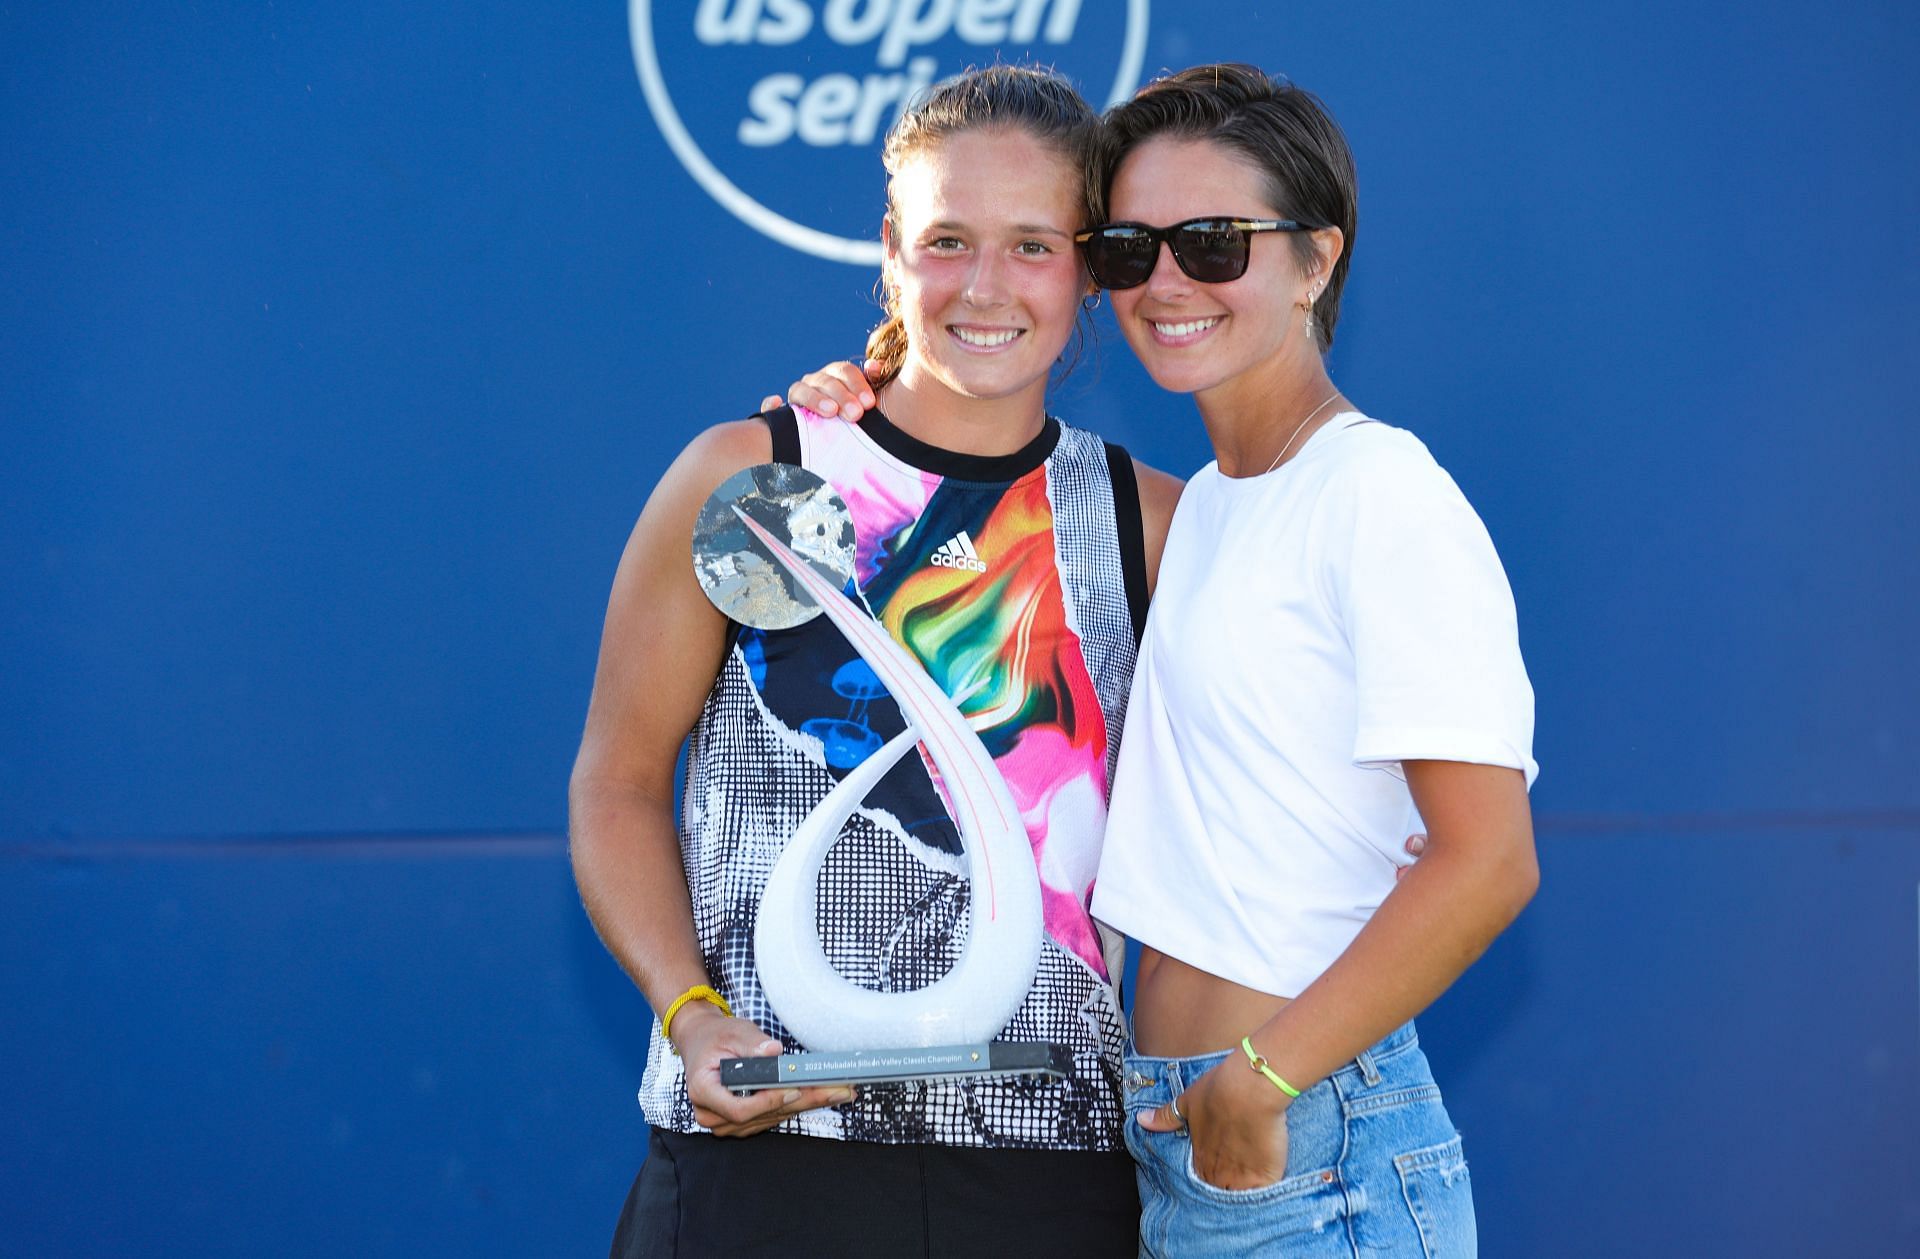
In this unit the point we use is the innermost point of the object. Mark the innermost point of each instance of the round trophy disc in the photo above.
(741, 577)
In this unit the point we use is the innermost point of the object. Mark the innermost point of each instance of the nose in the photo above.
(986, 282)
(1167, 279)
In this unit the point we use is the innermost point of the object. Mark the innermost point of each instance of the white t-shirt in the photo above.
(1312, 628)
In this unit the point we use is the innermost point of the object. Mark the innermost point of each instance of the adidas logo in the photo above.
(958, 552)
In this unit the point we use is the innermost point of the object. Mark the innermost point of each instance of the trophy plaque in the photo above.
(773, 548)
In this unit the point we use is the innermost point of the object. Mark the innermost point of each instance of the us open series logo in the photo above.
(777, 108)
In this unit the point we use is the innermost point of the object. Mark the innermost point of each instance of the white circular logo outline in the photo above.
(768, 222)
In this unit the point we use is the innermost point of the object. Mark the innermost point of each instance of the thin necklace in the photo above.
(1296, 430)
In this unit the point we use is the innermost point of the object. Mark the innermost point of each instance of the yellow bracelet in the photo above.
(1259, 1063)
(699, 992)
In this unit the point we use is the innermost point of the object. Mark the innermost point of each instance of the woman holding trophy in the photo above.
(1009, 558)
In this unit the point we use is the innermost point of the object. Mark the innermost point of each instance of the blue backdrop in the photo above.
(342, 344)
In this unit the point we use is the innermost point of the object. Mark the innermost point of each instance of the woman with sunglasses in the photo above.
(1011, 555)
(1332, 655)
(1285, 729)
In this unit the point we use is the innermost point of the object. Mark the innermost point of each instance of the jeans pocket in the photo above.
(1298, 1214)
(1286, 1187)
(1156, 1154)
(1439, 1193)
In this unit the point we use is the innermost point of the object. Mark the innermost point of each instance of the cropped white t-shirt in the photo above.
(1312, 628)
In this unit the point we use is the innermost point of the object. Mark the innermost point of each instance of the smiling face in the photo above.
(980, 251)
(1194, 337)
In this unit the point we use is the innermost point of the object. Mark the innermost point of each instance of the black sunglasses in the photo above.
(1211, 250)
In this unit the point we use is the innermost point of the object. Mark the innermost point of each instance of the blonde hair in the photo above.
(1028, 99)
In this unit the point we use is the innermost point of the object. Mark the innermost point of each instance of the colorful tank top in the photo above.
(1018, 582)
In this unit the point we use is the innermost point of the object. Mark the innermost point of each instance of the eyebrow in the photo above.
(1030, 229)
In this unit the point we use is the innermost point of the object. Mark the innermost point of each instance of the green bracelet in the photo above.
(1259, 1063)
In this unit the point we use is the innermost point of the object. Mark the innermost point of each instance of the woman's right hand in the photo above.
(708, 1037)
(1415, 845)
(838, 389)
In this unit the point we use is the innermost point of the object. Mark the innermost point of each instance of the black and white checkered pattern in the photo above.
(893, 912)
(1086, 539)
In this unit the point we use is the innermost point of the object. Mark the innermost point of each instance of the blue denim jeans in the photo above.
(1373, 1167)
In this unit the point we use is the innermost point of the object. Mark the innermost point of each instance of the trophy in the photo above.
(773, 548)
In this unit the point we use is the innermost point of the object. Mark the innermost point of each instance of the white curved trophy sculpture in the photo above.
(822, 1008)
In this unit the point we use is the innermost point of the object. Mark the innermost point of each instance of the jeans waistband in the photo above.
(1179, 1072)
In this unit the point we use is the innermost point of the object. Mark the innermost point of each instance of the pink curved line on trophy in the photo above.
(880, 652)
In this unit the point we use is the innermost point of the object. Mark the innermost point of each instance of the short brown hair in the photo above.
(1283, 130)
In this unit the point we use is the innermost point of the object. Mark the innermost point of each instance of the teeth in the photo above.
(1186, 329)
(986, 340)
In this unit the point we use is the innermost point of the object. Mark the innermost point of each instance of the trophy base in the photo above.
(890, 1066)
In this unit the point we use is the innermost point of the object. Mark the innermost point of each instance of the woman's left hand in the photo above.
(1239, 1133)
(841, 389)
